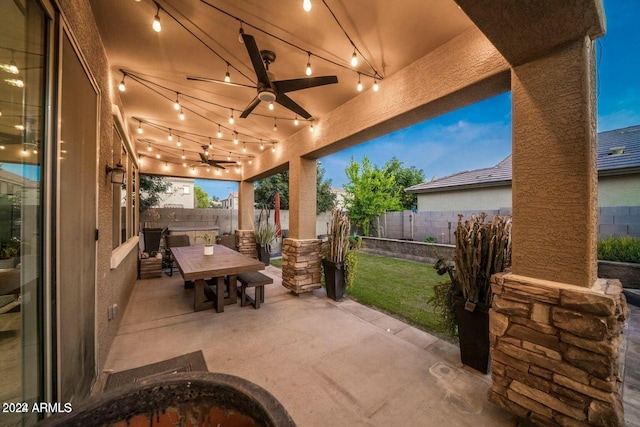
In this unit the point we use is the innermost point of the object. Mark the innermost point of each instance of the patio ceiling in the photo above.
(389, 35)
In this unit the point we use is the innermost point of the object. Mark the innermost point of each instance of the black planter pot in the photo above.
(473, 334)
(334, 279)
(264, 254)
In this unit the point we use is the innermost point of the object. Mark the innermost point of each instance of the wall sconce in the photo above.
(117, 173)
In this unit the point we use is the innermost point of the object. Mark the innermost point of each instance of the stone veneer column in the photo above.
(301, 264)
(246, 242)
(555, 351)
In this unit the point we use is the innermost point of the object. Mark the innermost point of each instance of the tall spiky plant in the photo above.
(338, 243)
(482, 249)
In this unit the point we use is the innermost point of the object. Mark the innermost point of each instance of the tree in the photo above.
(404, 178)
(370, 193)
(152, 191)
(265, 189)
(202, 198)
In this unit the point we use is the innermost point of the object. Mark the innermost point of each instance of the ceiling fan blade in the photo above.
(284, 86)
(289, 103)
(250, 108)
(211, 80)
(256, 59)
(203, 158)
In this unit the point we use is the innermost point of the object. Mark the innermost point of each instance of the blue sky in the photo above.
(479, 135)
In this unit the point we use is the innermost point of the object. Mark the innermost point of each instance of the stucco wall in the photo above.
(113, 286)
(468, 199)
(623, 190)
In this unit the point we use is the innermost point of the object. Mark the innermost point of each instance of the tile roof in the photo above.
(624, 141)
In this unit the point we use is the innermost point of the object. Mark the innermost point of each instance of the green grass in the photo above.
(398, 287)
(276, 262)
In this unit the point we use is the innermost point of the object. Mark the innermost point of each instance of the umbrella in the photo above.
(276, 216)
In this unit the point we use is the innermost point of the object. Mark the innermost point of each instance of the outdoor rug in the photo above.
(185, 363)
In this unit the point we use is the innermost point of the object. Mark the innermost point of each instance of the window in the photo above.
(124, 206)
(186, 189)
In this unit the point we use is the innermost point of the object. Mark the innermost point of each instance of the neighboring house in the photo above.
(230, 202)
(180, 193)
(490, 188)
(340, 194)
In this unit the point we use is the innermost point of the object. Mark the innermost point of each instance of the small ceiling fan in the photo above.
(211, 162)
(269, 89)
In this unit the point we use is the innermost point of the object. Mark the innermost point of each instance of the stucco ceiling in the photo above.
(391, 35)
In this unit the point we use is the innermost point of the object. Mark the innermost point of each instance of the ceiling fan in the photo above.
(269, 89)
(206, 161)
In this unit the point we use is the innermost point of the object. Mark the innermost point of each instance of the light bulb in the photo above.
(375, 86)
(157, 27)
(2, 147)
(121, 86)
(226, 170)
(359, 84)
(261, 145)
(208, 169)
(271, 106)
(166, 166)
(140, 131)
(235, 138)
(227, 77)
(275, 127)
(295, 121)
(158, 156)
(184, 165)
(311, 128)
(178, 143)
(308, 70)
(183, 156)
(176, 105)
(250, 161)
(229, 157)
(354, 59)
(231, 121)
(244, 148)
(24, 152)
(170, 137)
(306, 5)
(149, 148)
(181, 115)
(219, 132)
(273, 148)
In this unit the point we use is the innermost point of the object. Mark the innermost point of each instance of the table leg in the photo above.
(199, 301)
(219, 303)
(233, 289)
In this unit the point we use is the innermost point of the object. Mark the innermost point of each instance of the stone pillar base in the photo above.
(555, 351)
(301, 265)
(246, 242)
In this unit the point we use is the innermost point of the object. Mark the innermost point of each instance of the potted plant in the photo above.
(208, 242)
(265, 234)
(336, 254)
(482, 249)
(10, 253)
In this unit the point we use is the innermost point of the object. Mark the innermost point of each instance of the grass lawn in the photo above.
(399, 287)
(276, 262)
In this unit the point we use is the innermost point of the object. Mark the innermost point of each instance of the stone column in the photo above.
(246, 243)
(302, 198)
(555, 180)
(246, 212)
(301, 264)
(555, 351)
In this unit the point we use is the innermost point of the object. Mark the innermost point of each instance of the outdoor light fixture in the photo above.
(275, 125)
(227, 77)
(219, 132)
(311, 128)
(308, 70)
(306, 5)
(181, 115)
(244, 147)
(157, 27)
(140, 131)
(235, 138)
(176, 105)
(261, 145)
(273, 147)
(178, 142)
(354, 59)
(271, 106)
(170, 137)
(295, 121)
(375, 85)
(117, 173)
(231, 118)
(359, 84)
(121, 86)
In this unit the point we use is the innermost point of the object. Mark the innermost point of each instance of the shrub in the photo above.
(619, 249)
(429, 239)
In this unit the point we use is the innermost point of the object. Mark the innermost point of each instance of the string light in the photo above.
(121, 86)
(235, 138)
(273, 147)
(229, 156)
(275, 125)
(250, 161)
(210, 144)
(149, 147)
(157, 27)
(140, 128)
(375, 85)
(178, 143)
(311, 128)
(226, 170)
(24, 151)
(166, 166)
(237, 169)
(219, 132)
(227, 76)
(183, 156)
(359, 84)
(170, 137)
(308, 70)
(184, 164)
(181, 115)
(354, 59)
(261, 145)
(208, 169)
(231, 120)
(176, 105)
(244, 147)
(306, 5)
(157, 155)
(295, 121)
(271, 106)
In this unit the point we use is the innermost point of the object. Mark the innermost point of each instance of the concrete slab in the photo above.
(324, 361)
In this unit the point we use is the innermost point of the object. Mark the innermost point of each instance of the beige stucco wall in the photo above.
(621, 190)
(113, 285)
(477, 199)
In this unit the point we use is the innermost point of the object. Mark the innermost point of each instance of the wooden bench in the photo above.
(255, 280)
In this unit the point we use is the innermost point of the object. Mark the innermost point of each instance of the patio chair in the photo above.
(174, 241)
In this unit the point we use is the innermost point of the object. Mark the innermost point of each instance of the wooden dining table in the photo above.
(195, 265)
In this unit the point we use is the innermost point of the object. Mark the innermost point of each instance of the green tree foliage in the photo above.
(152, 191)
(266, 187)
(404, 178)
(370, 193)
(202, 198)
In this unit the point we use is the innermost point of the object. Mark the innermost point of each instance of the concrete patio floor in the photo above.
(328, 363)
